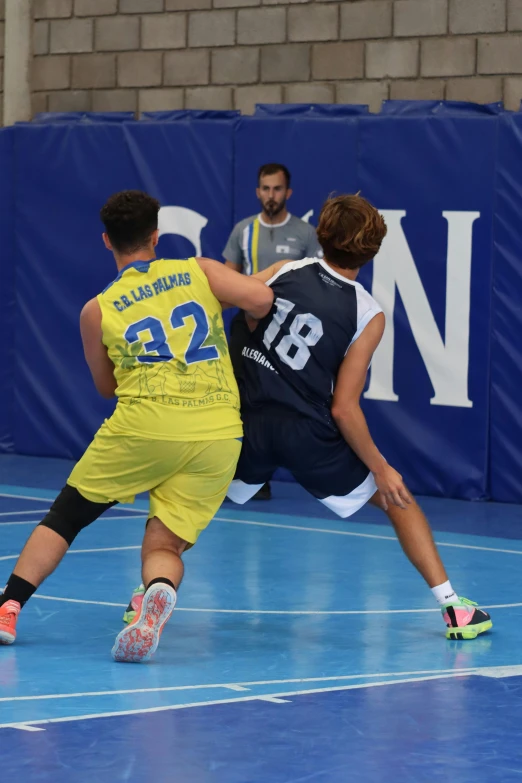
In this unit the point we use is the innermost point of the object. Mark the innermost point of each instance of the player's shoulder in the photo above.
(181, 271)
(365, 301)
(174, 262)
(242, 224)
(293, 266)
(91, 313)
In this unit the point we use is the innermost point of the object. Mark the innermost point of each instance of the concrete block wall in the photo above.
(147, 55)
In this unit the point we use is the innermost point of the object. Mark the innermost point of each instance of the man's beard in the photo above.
(272, 208)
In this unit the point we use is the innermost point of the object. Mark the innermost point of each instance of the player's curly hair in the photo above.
(130, 217)
(350, 231)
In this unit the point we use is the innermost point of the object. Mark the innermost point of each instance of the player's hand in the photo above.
(391, 488)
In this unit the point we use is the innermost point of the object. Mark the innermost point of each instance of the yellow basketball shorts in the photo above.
(187, 481)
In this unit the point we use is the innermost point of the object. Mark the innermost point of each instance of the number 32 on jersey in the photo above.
(157, 349)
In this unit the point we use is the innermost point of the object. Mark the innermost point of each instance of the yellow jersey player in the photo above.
(155, 339)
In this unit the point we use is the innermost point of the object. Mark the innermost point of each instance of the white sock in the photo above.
(444, 594)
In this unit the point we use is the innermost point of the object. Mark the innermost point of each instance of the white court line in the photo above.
(80, 601)
(273, 611)
(36, 521)
(102, 549)
(244, 686)
(322, 530)
(289, 527)
(24, 727)
(240, 699)
(308, 529)
(84, 551)
(122, 506)
(19, 513)
(313, 529)
(25, 497)
(133, 508)
(363, 535)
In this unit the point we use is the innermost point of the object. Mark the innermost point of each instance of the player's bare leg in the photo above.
(415, 537)
(41, 555)
(162, 572)
(43, 552)
(413, 530)
(161, 553)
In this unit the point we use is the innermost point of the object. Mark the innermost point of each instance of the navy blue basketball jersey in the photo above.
(292, 358)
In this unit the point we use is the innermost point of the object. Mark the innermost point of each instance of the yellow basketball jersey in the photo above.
(163, 329)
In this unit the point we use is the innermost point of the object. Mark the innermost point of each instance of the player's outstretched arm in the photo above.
(238, 290)
(348, 415)
(267, 274)
(233, 265)
(96, 356)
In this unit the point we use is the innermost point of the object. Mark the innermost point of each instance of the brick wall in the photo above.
(146, 55)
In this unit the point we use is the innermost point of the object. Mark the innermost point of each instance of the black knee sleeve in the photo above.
(71, 512)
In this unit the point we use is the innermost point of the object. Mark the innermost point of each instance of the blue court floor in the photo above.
(303, 648)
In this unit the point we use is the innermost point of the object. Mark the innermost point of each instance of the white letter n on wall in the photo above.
(446, 361)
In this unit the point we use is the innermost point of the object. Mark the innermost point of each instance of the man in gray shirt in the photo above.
(259, 241)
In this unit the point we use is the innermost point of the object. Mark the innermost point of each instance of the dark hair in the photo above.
(350, 231)
(272, 168)
(130, 217)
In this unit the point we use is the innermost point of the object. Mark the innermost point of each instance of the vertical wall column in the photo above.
(17, 61)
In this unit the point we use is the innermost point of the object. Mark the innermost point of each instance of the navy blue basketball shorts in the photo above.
(315, 453)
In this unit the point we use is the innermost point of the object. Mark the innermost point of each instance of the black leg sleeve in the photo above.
(71, 512)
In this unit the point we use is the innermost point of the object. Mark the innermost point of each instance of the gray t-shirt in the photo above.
(256, 245)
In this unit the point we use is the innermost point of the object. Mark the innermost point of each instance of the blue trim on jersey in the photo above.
(141, 266)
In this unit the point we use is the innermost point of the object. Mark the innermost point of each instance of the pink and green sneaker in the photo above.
(138, 641)
(465, 620)
(134, 605)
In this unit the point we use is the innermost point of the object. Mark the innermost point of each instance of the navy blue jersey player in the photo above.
(304, 371)
(290, 367)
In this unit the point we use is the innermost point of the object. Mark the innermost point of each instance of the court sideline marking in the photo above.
(25, 725)
(276, 698)
(504, 671)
